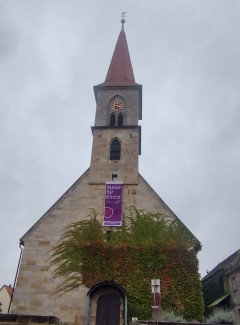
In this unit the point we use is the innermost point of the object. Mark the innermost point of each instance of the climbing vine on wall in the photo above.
(144, 248)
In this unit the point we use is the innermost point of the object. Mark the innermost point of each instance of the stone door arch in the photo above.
(107, 305)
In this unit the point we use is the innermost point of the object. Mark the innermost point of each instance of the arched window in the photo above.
(120, 119)
(115, 149)
(112, 119)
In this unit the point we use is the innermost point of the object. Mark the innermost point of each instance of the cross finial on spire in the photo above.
(123, 18)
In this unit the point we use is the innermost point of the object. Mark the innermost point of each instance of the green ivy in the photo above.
(144, 248)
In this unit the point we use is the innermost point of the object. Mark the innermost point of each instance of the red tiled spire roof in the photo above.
(120, 72)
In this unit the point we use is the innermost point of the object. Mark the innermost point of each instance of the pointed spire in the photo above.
(120, 72)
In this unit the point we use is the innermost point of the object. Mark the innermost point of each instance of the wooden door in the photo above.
(108, 309)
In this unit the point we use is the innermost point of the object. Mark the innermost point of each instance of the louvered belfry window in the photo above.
(112, 119)
(120, 119)
(115, 150)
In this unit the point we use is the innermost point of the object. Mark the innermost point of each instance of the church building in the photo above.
(110, 186)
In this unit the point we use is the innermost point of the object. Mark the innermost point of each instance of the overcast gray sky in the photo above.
(185, 54)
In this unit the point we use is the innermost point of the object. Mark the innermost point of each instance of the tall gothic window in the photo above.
(112, 119)
(115, 149)
(120, 119)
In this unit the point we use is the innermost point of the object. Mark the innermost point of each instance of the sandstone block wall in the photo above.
(34, 290)
(102, 167)
(130, 99)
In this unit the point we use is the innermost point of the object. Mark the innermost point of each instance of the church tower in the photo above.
(115, 153)
(116, 133)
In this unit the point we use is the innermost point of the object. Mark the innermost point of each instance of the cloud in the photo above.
(184, 53)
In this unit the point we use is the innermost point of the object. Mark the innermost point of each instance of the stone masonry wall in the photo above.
(34, 292)
(102, 167)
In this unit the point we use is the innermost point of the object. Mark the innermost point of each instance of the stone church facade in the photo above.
(115, 154)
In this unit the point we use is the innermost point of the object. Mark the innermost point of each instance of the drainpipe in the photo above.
(21, 246)
(88, 310)
(126, 309)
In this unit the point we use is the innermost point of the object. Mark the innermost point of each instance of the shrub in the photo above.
(170, 316)
(146, 247)
(221, 316)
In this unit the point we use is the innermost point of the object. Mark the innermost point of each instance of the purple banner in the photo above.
(113, 205)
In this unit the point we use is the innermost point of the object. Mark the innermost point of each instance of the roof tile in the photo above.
(120, 72)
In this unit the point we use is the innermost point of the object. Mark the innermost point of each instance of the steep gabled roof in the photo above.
(229, 264)
(120, 72)
(147, 187)
(9, 288)
(53, 207)
(197, 244)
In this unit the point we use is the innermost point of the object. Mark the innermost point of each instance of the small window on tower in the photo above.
(114, 177)
(112, 119)
(115, 149)
(120, 119)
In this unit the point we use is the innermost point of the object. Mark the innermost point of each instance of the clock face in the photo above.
(116, 106)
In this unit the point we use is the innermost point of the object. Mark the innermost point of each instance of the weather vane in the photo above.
(123, 16)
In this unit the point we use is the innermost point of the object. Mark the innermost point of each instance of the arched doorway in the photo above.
(107, 305)
(108, 309)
